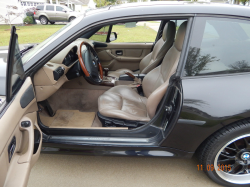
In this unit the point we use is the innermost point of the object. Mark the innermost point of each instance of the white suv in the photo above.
(54, 13)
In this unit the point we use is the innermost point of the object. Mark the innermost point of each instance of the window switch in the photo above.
(25, 124)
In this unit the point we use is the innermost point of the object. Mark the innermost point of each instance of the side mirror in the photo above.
(64, 10)
(113, 36)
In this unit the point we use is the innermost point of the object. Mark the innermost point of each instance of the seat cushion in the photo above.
(123, 102)
(119, 72)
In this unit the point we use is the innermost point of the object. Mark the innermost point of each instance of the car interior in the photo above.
(110, 80)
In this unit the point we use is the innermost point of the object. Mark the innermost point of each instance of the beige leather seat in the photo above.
(123, 102)
(150, 61)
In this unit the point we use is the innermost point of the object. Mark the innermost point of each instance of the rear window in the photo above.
(40, 7)
(50, 8)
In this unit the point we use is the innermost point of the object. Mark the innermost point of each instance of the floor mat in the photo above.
(68, 118)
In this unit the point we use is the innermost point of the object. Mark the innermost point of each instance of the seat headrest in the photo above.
(180, 36)
(168, 31)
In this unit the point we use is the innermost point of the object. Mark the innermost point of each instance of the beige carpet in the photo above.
(68, 118)
(75, 99)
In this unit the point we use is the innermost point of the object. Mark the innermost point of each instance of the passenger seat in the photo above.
(153, 59)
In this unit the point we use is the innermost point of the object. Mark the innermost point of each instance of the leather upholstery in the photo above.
(125, 103)
(150, 61)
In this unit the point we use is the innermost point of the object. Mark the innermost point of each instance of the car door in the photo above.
(134, 41)
(50, 12)
(20, 135)
(61, 14)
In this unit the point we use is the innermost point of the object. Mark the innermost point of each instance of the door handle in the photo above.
(12, 147)
(119, 52)
(27, 125)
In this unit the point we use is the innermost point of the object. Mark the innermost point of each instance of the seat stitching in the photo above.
(131, 105)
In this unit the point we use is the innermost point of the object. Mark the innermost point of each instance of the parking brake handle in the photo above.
(129, 74)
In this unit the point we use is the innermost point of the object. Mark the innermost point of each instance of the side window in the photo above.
(136, 32)
(100, 35)
(218, 46)
(39, 7)
(18, 74)
(49, 7)
(58, 8)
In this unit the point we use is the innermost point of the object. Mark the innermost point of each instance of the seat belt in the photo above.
(136, 84)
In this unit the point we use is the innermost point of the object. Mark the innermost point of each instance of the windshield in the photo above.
(50, 39)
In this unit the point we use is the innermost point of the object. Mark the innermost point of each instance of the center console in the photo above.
(123, 80)
(126, 77)
(109, 81)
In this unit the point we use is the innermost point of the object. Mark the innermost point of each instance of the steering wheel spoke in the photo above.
(90, 63)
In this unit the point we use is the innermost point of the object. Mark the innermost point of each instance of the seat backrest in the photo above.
(156, 81)
(150, 61)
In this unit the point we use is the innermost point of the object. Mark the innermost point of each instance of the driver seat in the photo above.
(123, 102)
(150, 61)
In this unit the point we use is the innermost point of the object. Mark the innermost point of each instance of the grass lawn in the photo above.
(38, 33)
(28, 34)
(134, 34)
(154, 22)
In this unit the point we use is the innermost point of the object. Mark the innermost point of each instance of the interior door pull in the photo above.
(12, 147)
(119, 52)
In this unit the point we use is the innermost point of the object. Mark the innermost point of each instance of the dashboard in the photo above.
(54, 73)
(71, 57)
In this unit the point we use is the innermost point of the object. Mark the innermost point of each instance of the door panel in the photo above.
(61, 16)
(123, 55)
(50, 12)
(18, 123)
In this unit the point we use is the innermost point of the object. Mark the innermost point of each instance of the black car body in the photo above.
(201, 103)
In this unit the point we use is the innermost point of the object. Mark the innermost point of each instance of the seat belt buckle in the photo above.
(140, 90)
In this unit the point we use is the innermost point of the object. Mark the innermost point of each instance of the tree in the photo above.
(244, 2)
(197, 62)
(12, 11)
(240, 65)
(103, 3)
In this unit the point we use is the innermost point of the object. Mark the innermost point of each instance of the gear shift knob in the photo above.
(106, 70)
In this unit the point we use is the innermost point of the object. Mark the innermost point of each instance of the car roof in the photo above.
(178, 7)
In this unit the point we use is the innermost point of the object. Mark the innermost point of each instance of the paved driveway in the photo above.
(81, 171)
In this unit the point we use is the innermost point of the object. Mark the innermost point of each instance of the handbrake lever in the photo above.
(129, 74)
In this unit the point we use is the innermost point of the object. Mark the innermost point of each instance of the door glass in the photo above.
(17, 72)
(219, 46)
(58, 8)
(49, 8)
(40, 7)
(136, 32)
(100, 35)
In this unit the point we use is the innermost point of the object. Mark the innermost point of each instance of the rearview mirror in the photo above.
(113, 36)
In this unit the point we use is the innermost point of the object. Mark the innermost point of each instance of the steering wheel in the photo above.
(90, 64)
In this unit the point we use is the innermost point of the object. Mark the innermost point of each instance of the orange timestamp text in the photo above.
(210, 167)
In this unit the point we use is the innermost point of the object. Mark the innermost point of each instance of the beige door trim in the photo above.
(16, 172)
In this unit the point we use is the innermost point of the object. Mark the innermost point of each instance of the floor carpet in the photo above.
(68, 118)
